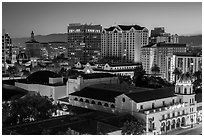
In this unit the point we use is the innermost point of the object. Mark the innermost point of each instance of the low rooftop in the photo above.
(94, 75)
(151, 94)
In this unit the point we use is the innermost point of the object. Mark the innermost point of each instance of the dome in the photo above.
(185, 78)
(9, 92)
(41, 77)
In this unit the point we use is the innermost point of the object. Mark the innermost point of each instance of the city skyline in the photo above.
(19, 19)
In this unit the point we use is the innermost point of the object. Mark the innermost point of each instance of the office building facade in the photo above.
(159, 35)
(84, 42)
(185, 62)
(124, 42)
(157, 54)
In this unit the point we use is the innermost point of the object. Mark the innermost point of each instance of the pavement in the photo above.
(195, 130)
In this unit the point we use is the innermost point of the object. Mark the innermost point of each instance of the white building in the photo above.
(124, 42)
(185, 62)
(122, 69)
(162, 109)
(157, 54)
(45, 83)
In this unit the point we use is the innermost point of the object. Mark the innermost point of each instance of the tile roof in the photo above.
(111, 28)
(128, 27)
(151, 94)
(125, 64)
(170, 45)
(95, 75)
(161, 45)
(97, 93)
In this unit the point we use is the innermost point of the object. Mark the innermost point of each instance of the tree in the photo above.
(155, 69)
(12, 70)
(138, 76)
(133, 126)
(30, 108)
(177, 72)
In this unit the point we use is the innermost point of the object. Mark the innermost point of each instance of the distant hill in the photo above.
(41, 38)
(195, 40)
(191, 40)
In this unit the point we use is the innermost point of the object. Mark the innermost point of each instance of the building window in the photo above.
(112, 106)
(93, 102)
(106, 105)
(163, 117)
(141, 107)
(99, 103)
(183, 112)
(179, 90)
(152, 105)
(163, 103)
(178, 113)
(185, 91)
(173, 114)
(173, 101)
(168, 115)
(123, 99)
(180, 100)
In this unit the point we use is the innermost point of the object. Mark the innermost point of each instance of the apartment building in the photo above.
(185, 62)
(157, 54)
(124, 42)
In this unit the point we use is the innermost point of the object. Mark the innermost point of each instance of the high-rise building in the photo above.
(84, 42)
(185, 62)
(157, 54)
(159, 35)
(124, 42)
(6, 50)
(33, 48)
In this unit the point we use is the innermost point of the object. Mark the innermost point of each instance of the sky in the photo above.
(19, 19)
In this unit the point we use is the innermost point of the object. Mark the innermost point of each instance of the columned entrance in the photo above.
(178, 122)
(173, 124)
(163, 126)
(168, 125)
(183, 121)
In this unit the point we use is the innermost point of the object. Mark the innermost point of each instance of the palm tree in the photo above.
(177, 72)
(155, 69)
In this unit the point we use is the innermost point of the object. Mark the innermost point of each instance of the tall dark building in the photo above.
(33, 47)
(6, 50)
(84, 42)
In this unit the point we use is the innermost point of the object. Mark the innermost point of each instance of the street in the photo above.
(197, 130)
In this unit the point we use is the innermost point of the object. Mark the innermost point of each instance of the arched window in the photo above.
(87, 101)
(93, 102)
(99, 103)
(185, 91)
(123, 99)
(190, 90)
(76, 99)
(81, 100)
(112, 106)
(106, 105)
(179, 89)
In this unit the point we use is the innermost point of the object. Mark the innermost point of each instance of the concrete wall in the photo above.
(54, 92)
(79, 83)
(89, 105)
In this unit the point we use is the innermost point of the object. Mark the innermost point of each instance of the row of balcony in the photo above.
(166, 107)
